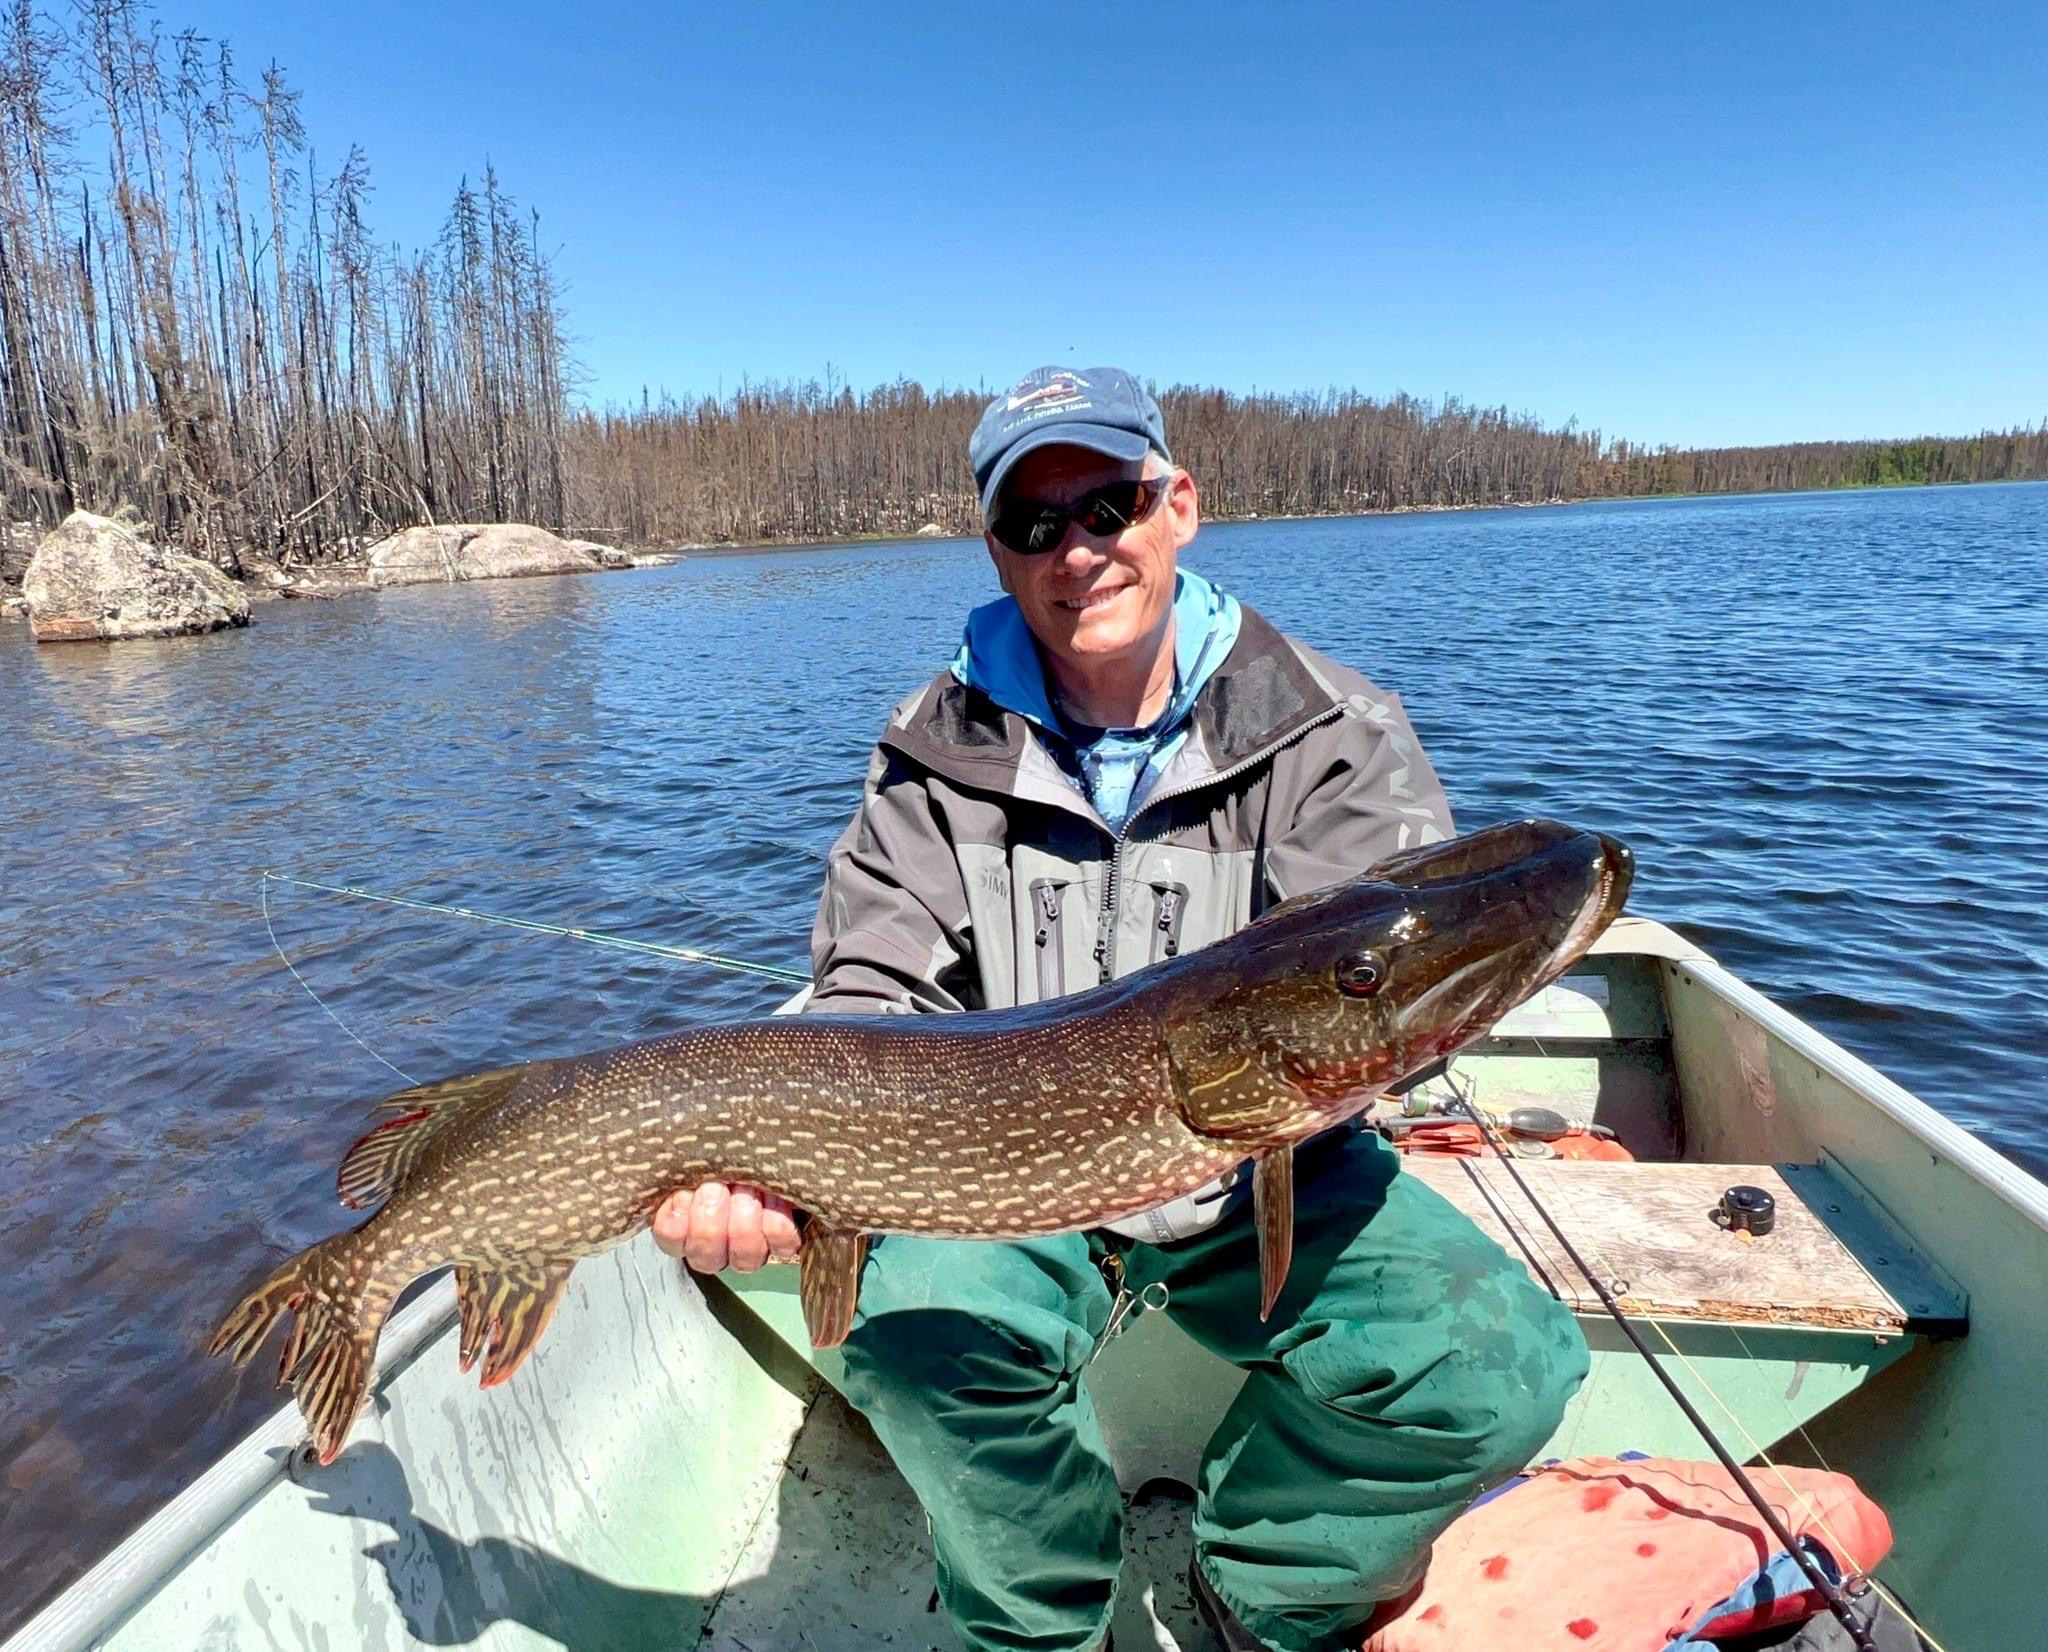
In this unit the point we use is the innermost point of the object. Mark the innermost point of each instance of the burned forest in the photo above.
(201, 335)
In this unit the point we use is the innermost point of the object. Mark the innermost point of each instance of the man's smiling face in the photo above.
(1097, 601)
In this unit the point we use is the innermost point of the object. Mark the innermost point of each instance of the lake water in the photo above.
(1821, 720)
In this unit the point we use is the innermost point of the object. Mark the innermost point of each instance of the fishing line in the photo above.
(677, 954)
(1757, 1449)
(1793, 1492)
(1812, 1445)
(271, 930)
(1829, 1591)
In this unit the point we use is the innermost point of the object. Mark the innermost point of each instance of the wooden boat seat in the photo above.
(1648, 1229)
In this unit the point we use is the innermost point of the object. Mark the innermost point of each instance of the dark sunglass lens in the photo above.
(1111, 508)
(1029, 529)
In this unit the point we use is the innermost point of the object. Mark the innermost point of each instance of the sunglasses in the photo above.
(1029, 526)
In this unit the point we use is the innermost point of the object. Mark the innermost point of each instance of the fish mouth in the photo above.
(1615, 875)
(1557, 886)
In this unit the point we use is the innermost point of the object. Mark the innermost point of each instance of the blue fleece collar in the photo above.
(998, 656)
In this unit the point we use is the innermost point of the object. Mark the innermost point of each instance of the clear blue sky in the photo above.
(1697, 224)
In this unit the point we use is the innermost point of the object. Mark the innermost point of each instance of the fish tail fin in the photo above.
(338, 1311)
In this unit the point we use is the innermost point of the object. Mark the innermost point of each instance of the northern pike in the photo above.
(1045, 1119)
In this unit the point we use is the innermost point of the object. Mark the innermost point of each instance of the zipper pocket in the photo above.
(1172, 908)
(1046, 937)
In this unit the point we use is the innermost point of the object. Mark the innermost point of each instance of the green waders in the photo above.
(1408, 1366)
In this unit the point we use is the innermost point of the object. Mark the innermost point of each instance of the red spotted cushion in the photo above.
(1605, 1554)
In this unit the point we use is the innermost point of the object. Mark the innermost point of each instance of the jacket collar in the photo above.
(1261, 696)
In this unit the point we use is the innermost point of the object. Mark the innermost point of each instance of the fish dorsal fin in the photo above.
(830, 1282)
(1273, 1205)
(377, 1165)
(504, 1311)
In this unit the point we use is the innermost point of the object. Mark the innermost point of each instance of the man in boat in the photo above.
(1123, 762)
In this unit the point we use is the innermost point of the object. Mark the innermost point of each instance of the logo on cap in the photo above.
(1061, 389)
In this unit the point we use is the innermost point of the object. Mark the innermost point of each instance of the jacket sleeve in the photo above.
(891, 933)
(1362, 790)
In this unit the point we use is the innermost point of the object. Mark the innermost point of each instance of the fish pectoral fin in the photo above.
(830, 1260)
(379, 1163)
(1273, 1204)
(504, 1311)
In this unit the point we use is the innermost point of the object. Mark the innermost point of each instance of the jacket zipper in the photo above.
(1052, 966)
(1166, 928)
(1327, 714)
(1105, 931)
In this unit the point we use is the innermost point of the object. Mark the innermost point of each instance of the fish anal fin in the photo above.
(1273, 1204)
(830, 1260)
(379, 1163)
(505, 1310)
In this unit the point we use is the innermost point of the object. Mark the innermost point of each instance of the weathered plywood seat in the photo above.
(1762, 1334)
(1649, 1231)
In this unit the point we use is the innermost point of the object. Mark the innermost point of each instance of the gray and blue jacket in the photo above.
(977, 873)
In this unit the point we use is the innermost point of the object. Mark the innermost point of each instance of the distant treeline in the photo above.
(198, 328)
(814, 461)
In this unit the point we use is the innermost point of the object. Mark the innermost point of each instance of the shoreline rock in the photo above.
(457, 551)
(91, 580)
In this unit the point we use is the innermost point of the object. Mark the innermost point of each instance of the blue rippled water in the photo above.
(1819, 718)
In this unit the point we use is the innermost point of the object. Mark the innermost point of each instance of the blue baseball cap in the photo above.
(1103, 409)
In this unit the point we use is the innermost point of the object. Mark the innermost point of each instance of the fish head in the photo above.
(1301, 1018)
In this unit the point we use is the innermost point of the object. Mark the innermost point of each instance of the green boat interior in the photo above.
(674, 1469)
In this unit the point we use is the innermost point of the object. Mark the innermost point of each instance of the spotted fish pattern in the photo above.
(1046, 1119)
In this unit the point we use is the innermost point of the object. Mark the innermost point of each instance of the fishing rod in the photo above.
(1826, 1587)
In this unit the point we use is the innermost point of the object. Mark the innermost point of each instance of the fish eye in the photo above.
(1360, 975)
